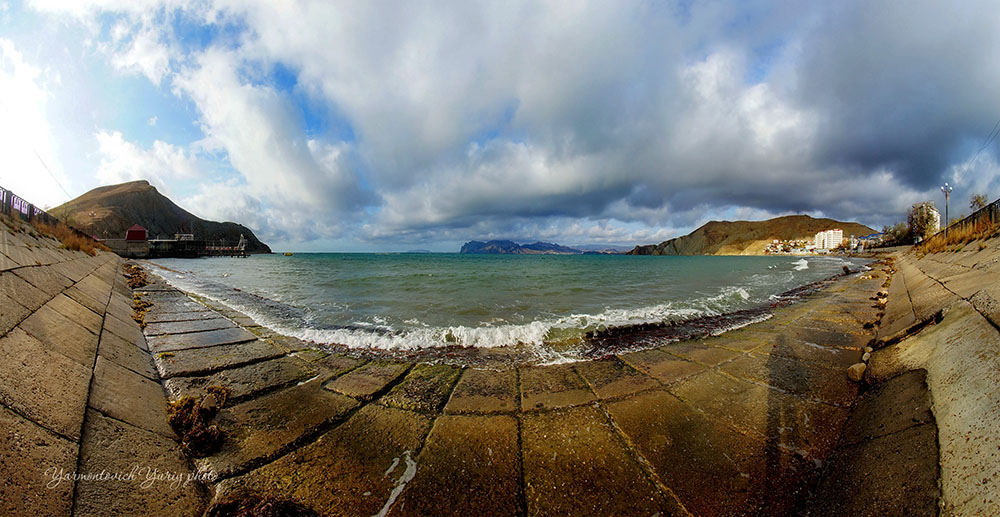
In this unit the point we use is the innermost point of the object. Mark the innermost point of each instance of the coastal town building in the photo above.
(135, 233)
(926, 211)
(828, 239)
(791, 246)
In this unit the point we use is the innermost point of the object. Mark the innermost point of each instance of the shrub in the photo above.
(70, 238)
(959, 236)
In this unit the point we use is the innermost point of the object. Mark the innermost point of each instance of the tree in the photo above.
(896, 234)
(921, 220)
(978, 201)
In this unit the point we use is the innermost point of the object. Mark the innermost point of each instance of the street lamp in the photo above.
(947, 193)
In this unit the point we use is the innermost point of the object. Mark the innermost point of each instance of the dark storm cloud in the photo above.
(613, 120)
(909, 86)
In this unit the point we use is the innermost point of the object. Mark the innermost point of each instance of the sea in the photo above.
(545, 304)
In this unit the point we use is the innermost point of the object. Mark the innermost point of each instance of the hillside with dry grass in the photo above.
(106, 212)
(747, 237)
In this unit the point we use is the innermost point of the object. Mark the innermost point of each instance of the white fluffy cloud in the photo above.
(162, 163)
(30, 165)
(564, 120)
(260, 132)
(140, 52)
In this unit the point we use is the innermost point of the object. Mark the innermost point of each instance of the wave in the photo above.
(552, 340)
(801, 265)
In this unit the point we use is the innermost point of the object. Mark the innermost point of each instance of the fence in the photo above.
(13, 205)
(989, 214)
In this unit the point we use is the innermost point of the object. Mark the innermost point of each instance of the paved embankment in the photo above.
(78, 393)
(760, 420)
(741, 423)
(942, 319)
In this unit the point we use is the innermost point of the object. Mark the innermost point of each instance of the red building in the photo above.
(135, 233)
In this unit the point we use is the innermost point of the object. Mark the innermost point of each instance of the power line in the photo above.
(68, 197)
(989, 139)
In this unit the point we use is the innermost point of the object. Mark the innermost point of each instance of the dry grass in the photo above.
(69, 238)
(960, 236)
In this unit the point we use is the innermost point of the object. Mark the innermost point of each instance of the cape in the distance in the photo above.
(500, 247)
(713, 238)
(748, 237)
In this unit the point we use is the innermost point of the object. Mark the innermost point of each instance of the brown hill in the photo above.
(106, 212)
(747, 237)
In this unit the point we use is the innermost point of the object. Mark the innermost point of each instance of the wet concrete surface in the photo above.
(740, 423)
(756, 421)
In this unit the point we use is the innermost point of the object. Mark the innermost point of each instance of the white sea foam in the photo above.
(488, 336)
(801, 265)
(380, 332)
(751, 321)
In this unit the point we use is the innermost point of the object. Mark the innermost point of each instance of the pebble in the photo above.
(210, 402)
(866, 357)
(856, 372)
(869, 349)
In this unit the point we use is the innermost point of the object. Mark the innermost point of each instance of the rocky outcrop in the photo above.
(747, 237)
(106, 212)
(513, 248)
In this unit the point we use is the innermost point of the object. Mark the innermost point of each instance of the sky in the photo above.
(389, 126)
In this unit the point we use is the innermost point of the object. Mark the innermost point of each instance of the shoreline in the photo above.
(630, 385)
(596, 344)
(761, 419)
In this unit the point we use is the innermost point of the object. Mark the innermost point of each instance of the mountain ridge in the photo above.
(106, 212)
(505, 247)
(747, 237)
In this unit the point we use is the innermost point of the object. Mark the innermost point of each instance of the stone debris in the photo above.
(857, 372)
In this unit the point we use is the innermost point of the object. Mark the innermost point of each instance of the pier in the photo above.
(181, 246)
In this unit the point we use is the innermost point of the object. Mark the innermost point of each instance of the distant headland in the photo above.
(748, 237)
(502, 247)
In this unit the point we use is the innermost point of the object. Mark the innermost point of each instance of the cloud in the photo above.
(577, 120)
(30, 164)
(141, 52)
(906, 86)
(162, 164)
(260, 132)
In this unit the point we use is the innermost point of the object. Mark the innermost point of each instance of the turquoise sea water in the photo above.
(415, 301)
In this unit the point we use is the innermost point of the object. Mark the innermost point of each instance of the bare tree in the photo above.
(978, 201)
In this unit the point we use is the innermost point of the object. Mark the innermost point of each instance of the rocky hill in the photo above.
(106, 212)
(513, 248)
(747, 237)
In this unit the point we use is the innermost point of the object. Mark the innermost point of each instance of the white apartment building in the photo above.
(829, 239)
(927, 208)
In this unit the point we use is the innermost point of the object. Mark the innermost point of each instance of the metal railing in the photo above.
(989, 214)
(16, 206)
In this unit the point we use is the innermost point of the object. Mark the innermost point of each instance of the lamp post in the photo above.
(947, 193)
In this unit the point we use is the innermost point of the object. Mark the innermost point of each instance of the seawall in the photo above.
(83, 417)
(760, 420)
(943, 317)
(741, 423)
